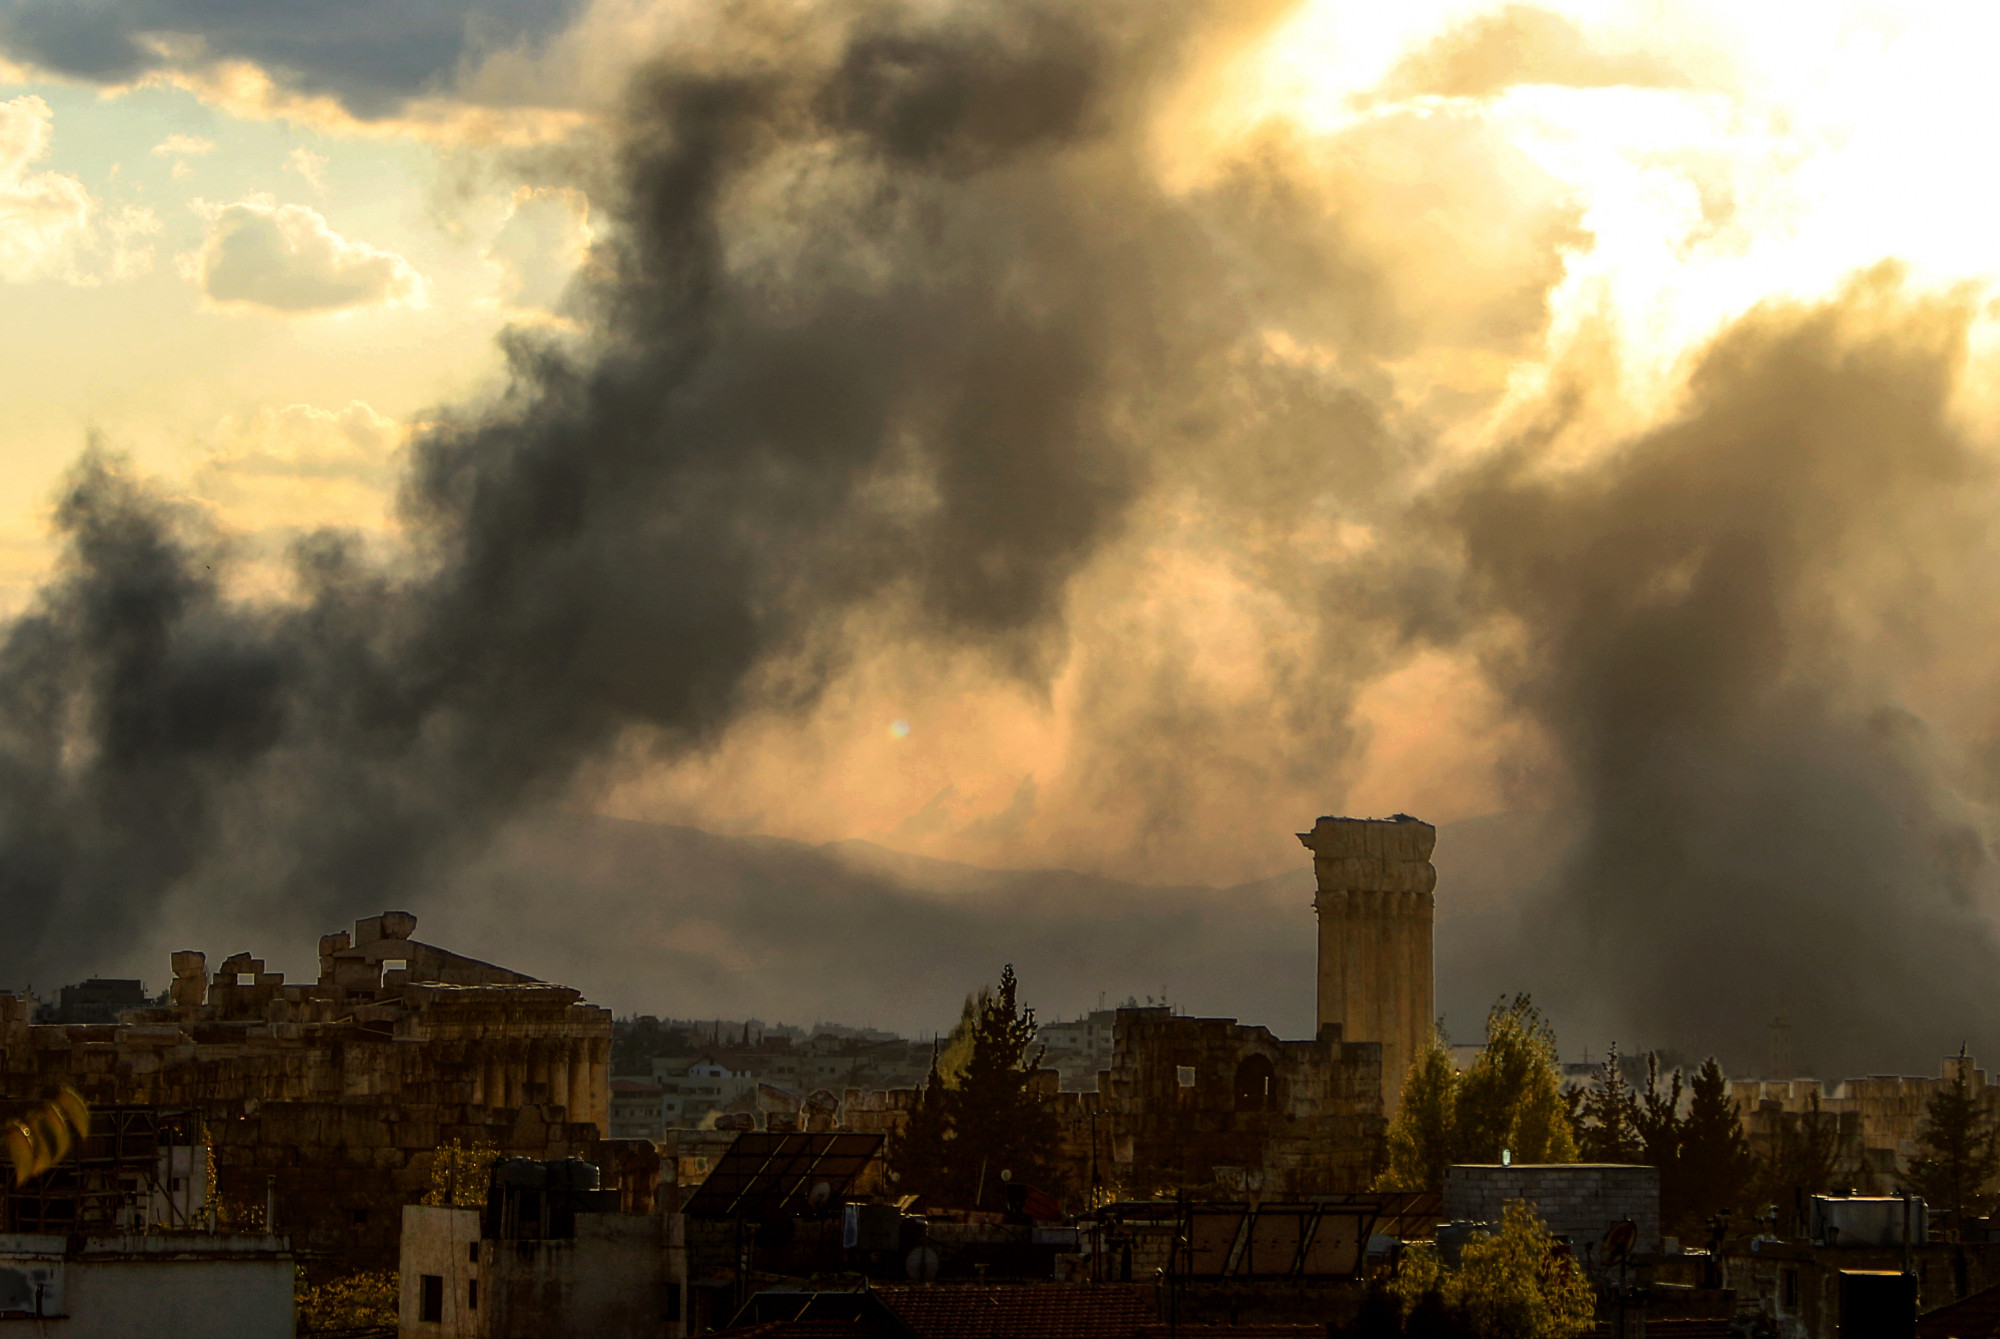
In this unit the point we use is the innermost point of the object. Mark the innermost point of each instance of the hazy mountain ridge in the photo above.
(656, 918)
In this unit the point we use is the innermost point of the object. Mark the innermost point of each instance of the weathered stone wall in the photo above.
(1257, 1115)
(1212, 1106)
(1879, 1114)
(1578, 1200)
(332, 1097)
(1375, 928)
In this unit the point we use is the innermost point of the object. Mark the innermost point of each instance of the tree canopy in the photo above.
(1960, 1148)
(972, 1134)
(1518, 1283)
(1510, 1100)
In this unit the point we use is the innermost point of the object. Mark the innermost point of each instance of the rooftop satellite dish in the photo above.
(822, 1191)
(922, 1264)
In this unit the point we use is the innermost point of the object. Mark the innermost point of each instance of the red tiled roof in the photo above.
(803, 1329)
(1977, 1317)
(1159, 1330)
(1026, 1311)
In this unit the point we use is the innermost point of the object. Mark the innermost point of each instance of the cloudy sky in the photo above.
(1096, 436)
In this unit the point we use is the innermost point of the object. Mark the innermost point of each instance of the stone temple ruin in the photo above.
(324, 1104)
(328, 1106)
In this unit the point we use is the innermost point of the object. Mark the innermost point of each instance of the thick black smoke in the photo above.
(1722, 626)
(880, 314)
(914, 331)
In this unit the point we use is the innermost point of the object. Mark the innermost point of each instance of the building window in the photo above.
(430, 1300)
(472, 1295)
(359, 1217)
(1788, 1289)
(673, 1302)
(1184, 1075)
(472, 1252)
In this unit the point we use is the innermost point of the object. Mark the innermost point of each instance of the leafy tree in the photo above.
(957, 1052)
(1715, 1165)
(1961, 1148)
(1514, 1284)
(1610, 1127)
(358, 1302)
(1422, 1139)
(635, 1041)
(999, 1124)
(919, 1152)
(1511, 1098)
(460, 1172)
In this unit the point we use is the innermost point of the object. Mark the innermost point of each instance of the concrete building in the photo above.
(1079, 1049)
(327, 1101)
(551, 1254)
(1375, 918)
(1579, 1201)
(98, 1000)
(116, 1240)
(693, 1089)
(177, 1286)
(638, 1109)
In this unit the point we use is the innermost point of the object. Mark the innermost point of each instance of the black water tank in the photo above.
(1877, 1304)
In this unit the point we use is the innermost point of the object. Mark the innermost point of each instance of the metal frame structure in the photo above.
(764, 1176)
(105, 1173)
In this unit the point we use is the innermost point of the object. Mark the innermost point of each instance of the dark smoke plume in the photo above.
(1719, 625)
(877, 320)
(904, 341)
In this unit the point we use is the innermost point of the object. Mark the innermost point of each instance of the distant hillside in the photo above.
(673, 920)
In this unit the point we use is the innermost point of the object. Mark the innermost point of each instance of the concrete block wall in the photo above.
(1577, 1200)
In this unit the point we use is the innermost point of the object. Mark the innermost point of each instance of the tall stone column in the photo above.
(1375, 913)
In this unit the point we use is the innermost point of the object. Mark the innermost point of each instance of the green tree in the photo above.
(1714, 1168)
(1511, 1099)
(950, 1063)
(999, 1124)
(1610, 1111)
(1513, 1284)
(919, 1153)
(1961, 1148)
(1422, 1140)
(1662, 1134)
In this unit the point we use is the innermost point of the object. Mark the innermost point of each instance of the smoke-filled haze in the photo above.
(900, 450)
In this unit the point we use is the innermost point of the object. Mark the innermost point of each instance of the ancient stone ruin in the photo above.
(329, 1101)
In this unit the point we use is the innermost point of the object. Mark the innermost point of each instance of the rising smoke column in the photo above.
(1719, 625)
(883, 299)
(900, 343)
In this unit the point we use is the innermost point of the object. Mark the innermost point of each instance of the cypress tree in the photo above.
(1715, 1162)
(1610, 1117)
(1961, 1148)
(999, 1124)
(919, 1152)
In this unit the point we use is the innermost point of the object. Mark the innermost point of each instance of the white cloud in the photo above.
(127, 232)
(44, 216)
(286, 258)
(280, 472)
(183, 146)
(538, 249)
(310, 165)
